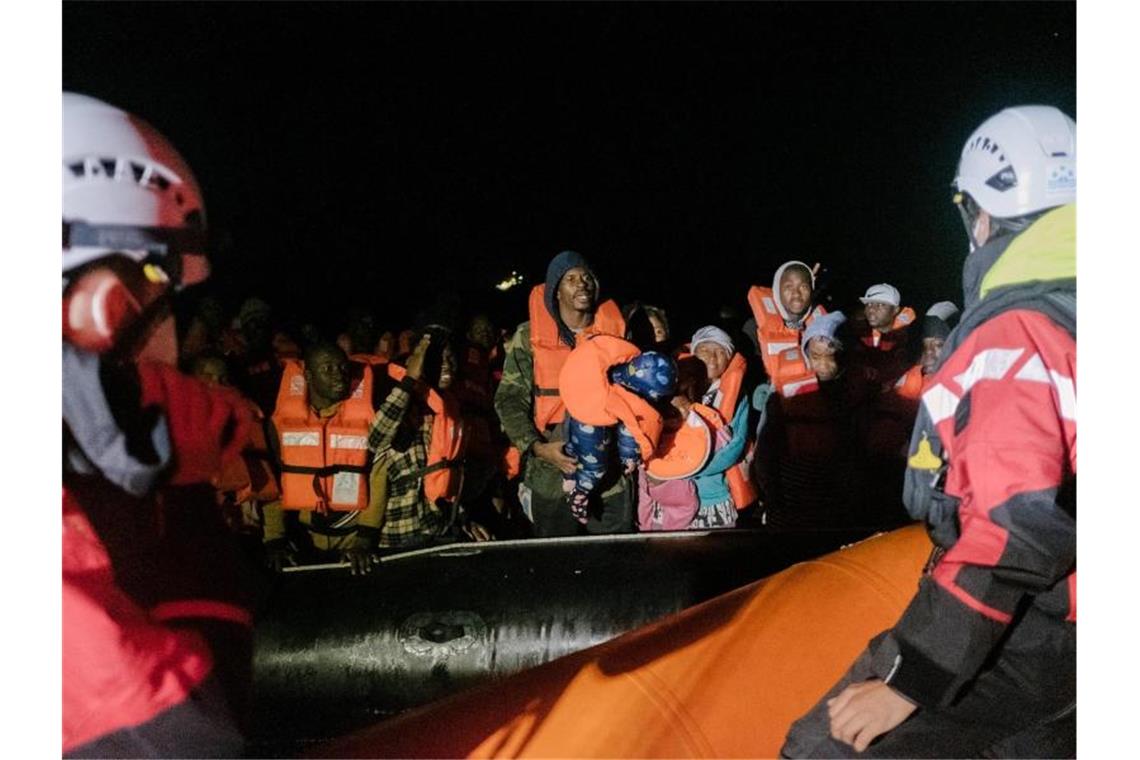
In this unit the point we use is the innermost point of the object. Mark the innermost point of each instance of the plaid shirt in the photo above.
(399, 439)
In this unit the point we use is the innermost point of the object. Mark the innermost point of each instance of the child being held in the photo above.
(652, 377)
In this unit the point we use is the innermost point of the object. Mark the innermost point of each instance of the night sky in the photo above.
(385, 154)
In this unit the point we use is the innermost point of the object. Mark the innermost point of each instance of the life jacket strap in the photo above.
(326, 471)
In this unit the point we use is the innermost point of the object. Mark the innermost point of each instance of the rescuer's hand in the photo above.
(361, 556)
(415, 366)
(279, 554)
(552, 452)
(864, 711)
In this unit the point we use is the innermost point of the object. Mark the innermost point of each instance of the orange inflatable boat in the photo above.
(723, 679)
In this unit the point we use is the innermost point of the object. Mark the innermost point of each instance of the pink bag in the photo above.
(665, 504)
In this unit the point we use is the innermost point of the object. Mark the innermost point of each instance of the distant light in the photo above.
(513, 280)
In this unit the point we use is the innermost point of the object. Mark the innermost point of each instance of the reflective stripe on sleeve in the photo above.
(940, 402)
(202, 608)
(991, 364)
(1066, 393)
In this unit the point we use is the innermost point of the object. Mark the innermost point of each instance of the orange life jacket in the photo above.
(550, 353)
(370, 359)
(738, 478)
(591, 398)
(443, 473)
(685, 444)
(324, 462)
(511, 464)
(780, 345)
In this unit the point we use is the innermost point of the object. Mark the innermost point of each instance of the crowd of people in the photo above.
(462, 433)
(585, 418)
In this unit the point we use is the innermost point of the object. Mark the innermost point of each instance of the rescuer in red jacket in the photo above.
(983, 661)
(156, 623)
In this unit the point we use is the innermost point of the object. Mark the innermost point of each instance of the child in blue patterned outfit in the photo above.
(650, 375)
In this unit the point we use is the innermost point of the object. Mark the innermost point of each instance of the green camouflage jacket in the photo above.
(514, 400)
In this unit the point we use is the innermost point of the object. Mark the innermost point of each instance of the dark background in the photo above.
(390, 154)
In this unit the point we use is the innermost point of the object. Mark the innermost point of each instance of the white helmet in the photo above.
(1020, 161)
(127, 192)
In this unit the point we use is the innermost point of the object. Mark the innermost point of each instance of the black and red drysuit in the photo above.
(157, 628)
(987, 647)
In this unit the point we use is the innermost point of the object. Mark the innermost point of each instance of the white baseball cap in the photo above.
(882, 293)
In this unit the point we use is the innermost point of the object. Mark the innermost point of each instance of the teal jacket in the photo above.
(712, 487)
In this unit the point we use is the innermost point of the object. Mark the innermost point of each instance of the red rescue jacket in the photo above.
(998, 429)
(121, 667)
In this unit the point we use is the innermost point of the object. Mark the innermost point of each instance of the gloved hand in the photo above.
(279, 554)
(360, 555)
(208, 424)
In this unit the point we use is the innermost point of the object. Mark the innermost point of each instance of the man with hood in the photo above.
(982, 663)
(779, 316)
(530, 407)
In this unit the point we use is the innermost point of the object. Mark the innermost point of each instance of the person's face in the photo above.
(327, 375)
(386, 344)
(795, 291)
(212, 372)
(577, 289)
(660, 335)
(481, 332)
(715, 358)
(880, 315)
(824, 362)
(255, 330)
(448, 366)
(931, 348)
(211, 313)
